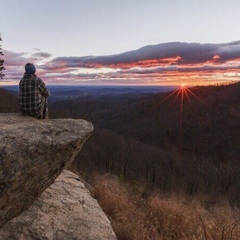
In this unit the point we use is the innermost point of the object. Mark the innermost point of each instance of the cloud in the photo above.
(153, 64)
(14, 62)
(174, 53)
(40, 56)
(37, 49)
(14, 59)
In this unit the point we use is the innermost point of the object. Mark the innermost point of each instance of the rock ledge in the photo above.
(33, 153)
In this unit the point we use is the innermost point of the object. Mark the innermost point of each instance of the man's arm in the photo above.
(43, 89)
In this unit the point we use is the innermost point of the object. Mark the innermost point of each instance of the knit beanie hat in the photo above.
(30, 68)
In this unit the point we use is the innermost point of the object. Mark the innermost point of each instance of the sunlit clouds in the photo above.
(172, 63)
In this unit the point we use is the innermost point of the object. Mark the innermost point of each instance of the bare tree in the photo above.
(227, 175)
(1, 60)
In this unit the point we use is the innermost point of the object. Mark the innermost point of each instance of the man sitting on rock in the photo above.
(33, 94)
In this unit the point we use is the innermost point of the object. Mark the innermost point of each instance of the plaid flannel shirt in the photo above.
(31, 90)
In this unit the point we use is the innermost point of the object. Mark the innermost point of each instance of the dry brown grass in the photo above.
(155, 218)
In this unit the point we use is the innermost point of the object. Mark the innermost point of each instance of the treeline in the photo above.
(162, 169)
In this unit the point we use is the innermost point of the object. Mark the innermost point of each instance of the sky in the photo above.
(126, 42)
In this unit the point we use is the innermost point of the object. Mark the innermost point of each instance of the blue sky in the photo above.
(78, 28)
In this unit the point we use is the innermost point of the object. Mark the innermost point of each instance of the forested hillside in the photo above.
(209, 120)
(148, 138)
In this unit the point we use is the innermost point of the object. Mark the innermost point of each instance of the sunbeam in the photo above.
(182, 92)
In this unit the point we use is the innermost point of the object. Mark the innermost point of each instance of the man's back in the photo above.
(33, 94)
(29, 95)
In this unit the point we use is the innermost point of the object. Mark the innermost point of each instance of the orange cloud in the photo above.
(128, 65)
(216, 58)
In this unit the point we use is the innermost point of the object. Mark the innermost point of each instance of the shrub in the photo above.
(161, 218)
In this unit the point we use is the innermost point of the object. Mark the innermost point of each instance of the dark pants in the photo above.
(44, 108)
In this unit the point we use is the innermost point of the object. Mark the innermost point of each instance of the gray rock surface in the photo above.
(64, 211)
(32, 155)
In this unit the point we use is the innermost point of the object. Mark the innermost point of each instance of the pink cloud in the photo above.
(155, 64)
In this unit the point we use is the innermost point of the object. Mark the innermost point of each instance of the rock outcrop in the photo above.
(64, 211)
(33, 153)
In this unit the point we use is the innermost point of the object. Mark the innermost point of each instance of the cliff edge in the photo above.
(33, 153)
